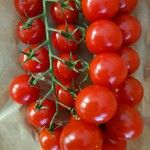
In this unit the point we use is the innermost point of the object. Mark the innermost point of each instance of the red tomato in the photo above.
(62, 15)
(127, 6)
(64, 96)
(130, 27)
(22, 92)
(126, 124)
(108, 69)
(80, 135)
(28, 8)
(96, 104)
(99, 9)
(50, 140)
(131, 58)
(65, 71)
(100, 37)
(63, 44)
(130, 92)
(32, 35)
(33, 65)
(41, 117)
(113, 144)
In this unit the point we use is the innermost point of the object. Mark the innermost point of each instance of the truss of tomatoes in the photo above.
(105, 115)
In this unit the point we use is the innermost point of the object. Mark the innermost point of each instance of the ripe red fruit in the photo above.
(22, 92)
(108, 69)
(35, 34)
(41, 117)
(80, 135)
(100, 37)
(96, 104)
(131, 59)
(39, 62)
(99, 9)
(50, 140)
(130, 92)
(126, 123)
(130, 27)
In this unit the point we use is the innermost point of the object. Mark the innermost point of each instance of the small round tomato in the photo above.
(130, 27)
(62, 42)
(41, 117)
(28, 8)
(126, 124)
(113, 144)
(127, 6)
(99, 9)
(96, 104)
(100, 37)
(131, 58)
(64, 96)
(80, 135)
(108, 69)
(65, 71)
(35, 34)
(39, 61)
(50, 140)
(22, 92)
(130, 92)
(62, 15)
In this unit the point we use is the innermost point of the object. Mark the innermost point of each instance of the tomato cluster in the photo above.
(103, 114)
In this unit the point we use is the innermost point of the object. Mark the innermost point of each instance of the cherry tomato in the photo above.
(108, 69)
(80, 135)
(99, 9)
(113, 144)
(28, 8)
(50, 140)
(41, 117)
(62, 15)
(126, 124)
(131, 58)
(127, 6)
(65, 71)
(130, 92)
(35, 34)
(130, 27)
(64, 96)
(96, 104)
(64, 44)
(22, 92)
(100, 37)
(39, 61)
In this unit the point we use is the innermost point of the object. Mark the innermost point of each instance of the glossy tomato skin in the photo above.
(50, 140)
(131, 59)
(126, 124)
(41, 117)
(32, 65)
(108, 69)
(127, 6)
(28, 8)
(35, 34)
(100, 37)
(113, 144)
(96, 104)
(130, 27)
(64, 71)
(61, 15)
(64, 96)
(22, 92)
(99, 9)
(61, 43)
(130, 92)
(80, 135)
